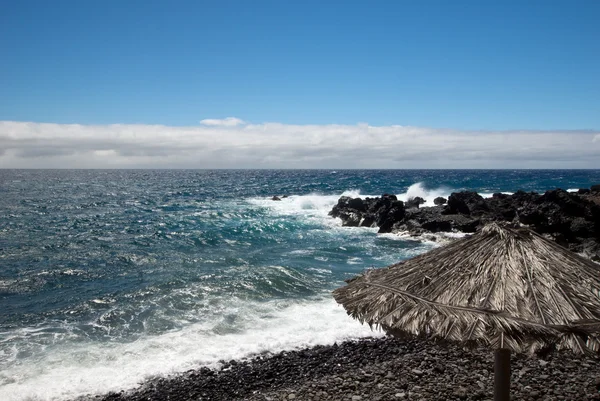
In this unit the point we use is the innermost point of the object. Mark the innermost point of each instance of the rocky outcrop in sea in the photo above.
(570, 218)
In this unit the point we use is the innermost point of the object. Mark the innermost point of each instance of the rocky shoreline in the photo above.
(570, 218)
(395, 369)
(378, 369)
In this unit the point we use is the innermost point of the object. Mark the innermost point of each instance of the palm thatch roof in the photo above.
(502, 286)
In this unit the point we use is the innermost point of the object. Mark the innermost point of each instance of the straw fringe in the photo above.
(501, 280)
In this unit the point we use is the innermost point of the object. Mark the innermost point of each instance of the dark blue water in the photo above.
(147, 272)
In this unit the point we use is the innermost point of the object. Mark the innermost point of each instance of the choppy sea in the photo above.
(110, 277)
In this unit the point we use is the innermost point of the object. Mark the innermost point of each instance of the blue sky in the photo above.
(330, 84)
(452, 64)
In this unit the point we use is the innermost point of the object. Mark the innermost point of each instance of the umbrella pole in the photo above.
(502, 375)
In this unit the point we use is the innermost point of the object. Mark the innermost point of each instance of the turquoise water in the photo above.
(108, 277)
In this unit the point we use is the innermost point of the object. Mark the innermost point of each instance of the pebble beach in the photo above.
(378, 369)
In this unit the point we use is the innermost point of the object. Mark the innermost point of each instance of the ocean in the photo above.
(111, 277)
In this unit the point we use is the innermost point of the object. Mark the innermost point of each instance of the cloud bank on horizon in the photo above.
(234, 143)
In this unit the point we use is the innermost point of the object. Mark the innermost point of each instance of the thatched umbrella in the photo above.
(508, 288)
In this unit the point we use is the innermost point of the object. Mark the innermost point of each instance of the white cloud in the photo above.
(226, 122)
(221, 144)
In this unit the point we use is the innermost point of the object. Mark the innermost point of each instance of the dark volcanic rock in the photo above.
(571, 219)
(559, 212)
(465, 202)
(568, 203)
(347, 203)
(440, 201)
(503, 207)
(414, 202)
(591, 249)
(379, 209)
(381, 212)
(395, 213)
(350, 210)
(450, 222)
(351, 219)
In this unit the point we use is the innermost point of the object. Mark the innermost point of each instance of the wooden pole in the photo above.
(502, 375)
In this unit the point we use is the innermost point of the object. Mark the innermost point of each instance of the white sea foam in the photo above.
(429, 195)
(74, 369)
(319, 205)
(431, 240)
(311, 204)
(312, 207)
(316, 207)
